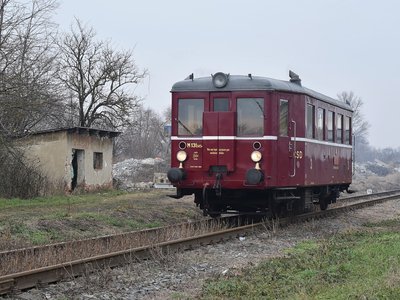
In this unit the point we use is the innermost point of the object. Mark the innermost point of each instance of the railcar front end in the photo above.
(239, 143)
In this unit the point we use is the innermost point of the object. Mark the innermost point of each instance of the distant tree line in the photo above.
(363, 151)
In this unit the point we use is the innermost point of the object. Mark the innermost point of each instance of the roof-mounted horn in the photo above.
(294, 77)
(190, 77)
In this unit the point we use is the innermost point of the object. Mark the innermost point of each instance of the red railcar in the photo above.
(256, 144)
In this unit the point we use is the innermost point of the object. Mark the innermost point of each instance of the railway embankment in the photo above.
(319, 252)
(25, 223)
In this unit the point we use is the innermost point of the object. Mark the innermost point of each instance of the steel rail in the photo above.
(28, 279)
(367, 196)
(108, 239)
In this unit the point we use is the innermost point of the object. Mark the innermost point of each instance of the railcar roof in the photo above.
(247, 83)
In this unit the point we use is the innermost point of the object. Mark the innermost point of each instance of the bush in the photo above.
(19, 177)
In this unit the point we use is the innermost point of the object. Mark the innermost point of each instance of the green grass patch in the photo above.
(58, 200)
(360, 265)
(33, 235)
(62, 218)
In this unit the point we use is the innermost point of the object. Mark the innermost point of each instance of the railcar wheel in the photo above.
(323, 203)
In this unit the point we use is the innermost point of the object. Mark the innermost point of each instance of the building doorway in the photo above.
(78, 168)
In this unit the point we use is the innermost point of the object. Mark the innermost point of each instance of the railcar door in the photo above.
(218, 134)
(287, 131)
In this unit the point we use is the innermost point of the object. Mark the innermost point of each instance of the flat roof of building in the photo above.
(80, 130)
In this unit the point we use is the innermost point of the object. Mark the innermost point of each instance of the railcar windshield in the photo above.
(250, 116)
(190, 116)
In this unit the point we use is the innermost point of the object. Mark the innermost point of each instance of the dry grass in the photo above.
(32, 258)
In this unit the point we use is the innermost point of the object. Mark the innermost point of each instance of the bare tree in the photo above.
(362, 149)
(167, 113)
(27, 88)
(27, 55)
(145, 138)
(100, 80)
(360, 125)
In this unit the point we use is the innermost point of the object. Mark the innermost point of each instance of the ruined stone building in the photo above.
(73, 158)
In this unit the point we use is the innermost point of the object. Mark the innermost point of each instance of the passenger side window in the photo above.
(347, 128)
(330, 126)
(250, 116)
(339, 129)
(310, 124)
(320, 123)
(283, 117)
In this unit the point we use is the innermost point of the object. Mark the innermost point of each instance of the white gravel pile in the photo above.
(133, 173)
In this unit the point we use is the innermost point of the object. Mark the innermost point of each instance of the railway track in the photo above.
(26, 268)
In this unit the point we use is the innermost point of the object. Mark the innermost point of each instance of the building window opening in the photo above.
(97, 160)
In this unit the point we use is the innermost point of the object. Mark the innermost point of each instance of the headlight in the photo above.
(256, 156)
(181, 156)
(220, 79)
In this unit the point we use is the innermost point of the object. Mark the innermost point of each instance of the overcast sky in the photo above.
(334, 45)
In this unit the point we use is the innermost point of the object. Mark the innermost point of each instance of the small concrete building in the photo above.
(73, 158)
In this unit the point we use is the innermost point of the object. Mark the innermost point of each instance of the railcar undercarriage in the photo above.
(275, 202)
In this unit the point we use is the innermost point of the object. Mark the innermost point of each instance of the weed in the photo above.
(357, 265)
(39, 237)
